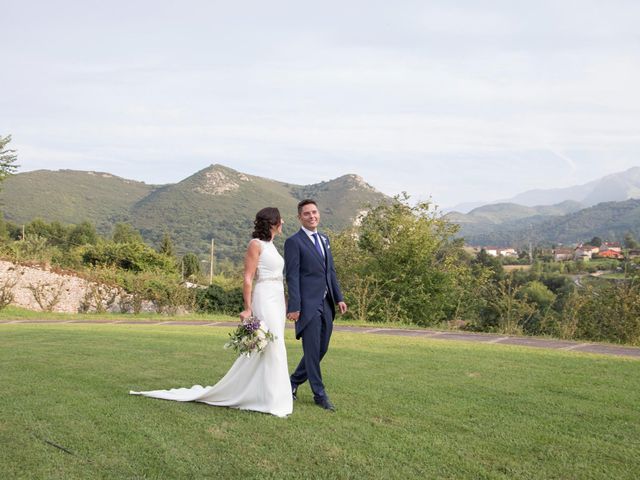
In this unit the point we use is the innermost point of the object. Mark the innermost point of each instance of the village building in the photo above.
(562, 254)
(610, 254)
(584, 252)
(501, 252)
(493, 251)
(615, 246)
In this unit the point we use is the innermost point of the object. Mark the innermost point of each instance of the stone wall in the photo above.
(38, 288)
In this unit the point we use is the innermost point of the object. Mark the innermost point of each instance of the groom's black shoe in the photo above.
(325, 403)
(294, 391)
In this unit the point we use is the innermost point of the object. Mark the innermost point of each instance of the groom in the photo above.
(313, 293)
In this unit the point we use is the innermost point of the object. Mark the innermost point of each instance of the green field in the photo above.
(407, 408)
(17, 313)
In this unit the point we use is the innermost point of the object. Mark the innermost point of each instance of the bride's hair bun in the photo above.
(265, 219)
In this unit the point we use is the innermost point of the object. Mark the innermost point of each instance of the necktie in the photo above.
(317, 243)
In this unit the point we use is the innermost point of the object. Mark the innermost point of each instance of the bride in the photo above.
(259, 382)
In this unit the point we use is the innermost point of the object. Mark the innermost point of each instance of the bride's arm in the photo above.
(250, 266)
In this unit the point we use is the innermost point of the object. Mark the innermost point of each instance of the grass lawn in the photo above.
(17, 313)
(12, 312)
(511, 268)
(407, 408)
(614, 276)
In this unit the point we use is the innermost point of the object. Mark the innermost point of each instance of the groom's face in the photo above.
(309, 217)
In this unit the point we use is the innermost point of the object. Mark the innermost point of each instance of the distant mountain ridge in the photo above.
(616, 187)
(498, 213)
(216, 202)
(537, 215)
(607, 220)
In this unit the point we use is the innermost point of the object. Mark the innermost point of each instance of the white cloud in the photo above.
(457, 101)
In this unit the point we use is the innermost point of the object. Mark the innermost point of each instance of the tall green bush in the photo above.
(401, 263)
(137, 257)
(609, 312)
(220, 297)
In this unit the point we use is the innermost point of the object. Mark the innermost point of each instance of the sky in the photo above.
(472, 102)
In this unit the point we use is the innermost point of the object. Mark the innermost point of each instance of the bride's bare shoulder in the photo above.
(255, 244)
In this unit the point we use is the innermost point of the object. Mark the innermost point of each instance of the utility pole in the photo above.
(211, 265)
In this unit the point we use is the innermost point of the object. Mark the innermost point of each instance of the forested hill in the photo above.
(70, 196)
(608, 220)
(216, 202)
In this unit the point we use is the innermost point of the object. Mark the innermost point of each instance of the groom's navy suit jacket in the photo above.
(309, 277)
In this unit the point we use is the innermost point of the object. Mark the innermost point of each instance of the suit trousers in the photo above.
(315, 343)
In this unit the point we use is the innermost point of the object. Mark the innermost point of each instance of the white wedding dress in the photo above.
(260, 382)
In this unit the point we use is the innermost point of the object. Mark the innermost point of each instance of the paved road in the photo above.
(599, 348)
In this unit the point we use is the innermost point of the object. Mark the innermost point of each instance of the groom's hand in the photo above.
(343, 307)
(293, 316)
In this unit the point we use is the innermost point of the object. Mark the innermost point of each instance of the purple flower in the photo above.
(251, 324)
(249, 338)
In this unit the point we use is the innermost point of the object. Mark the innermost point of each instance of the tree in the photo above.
(405, 264)
(59, 234)
(191, 265)
(596, 242)
(166, 246)
(125, 233)
(4, 230)
(630, 241)
(8, 158)
(492, 263)
(37, 226)
(83, 234)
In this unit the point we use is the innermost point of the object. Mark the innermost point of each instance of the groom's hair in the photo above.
(306, 201)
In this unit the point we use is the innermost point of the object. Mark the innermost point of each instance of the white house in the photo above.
(584, 252)
(561, 254)
(501, 252)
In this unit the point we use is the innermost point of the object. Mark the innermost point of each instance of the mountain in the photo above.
(498, 213)
(491, 221)
(611, 188)
(70, 196)
(616, 187)
(216, 202)
(536, 215)
(607, 220)
(464, 207)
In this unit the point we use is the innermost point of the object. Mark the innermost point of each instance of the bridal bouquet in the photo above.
(250, 337)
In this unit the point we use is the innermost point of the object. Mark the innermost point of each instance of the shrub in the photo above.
(99, 299)
(6, 292)
(610, 311)
(541, 299)
(220, 297)
(136, 257)
(169, 297)
(47, 295)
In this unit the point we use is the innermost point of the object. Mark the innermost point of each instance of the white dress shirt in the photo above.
(310, 234)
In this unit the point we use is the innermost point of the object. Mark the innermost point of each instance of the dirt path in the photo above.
(603, 349)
